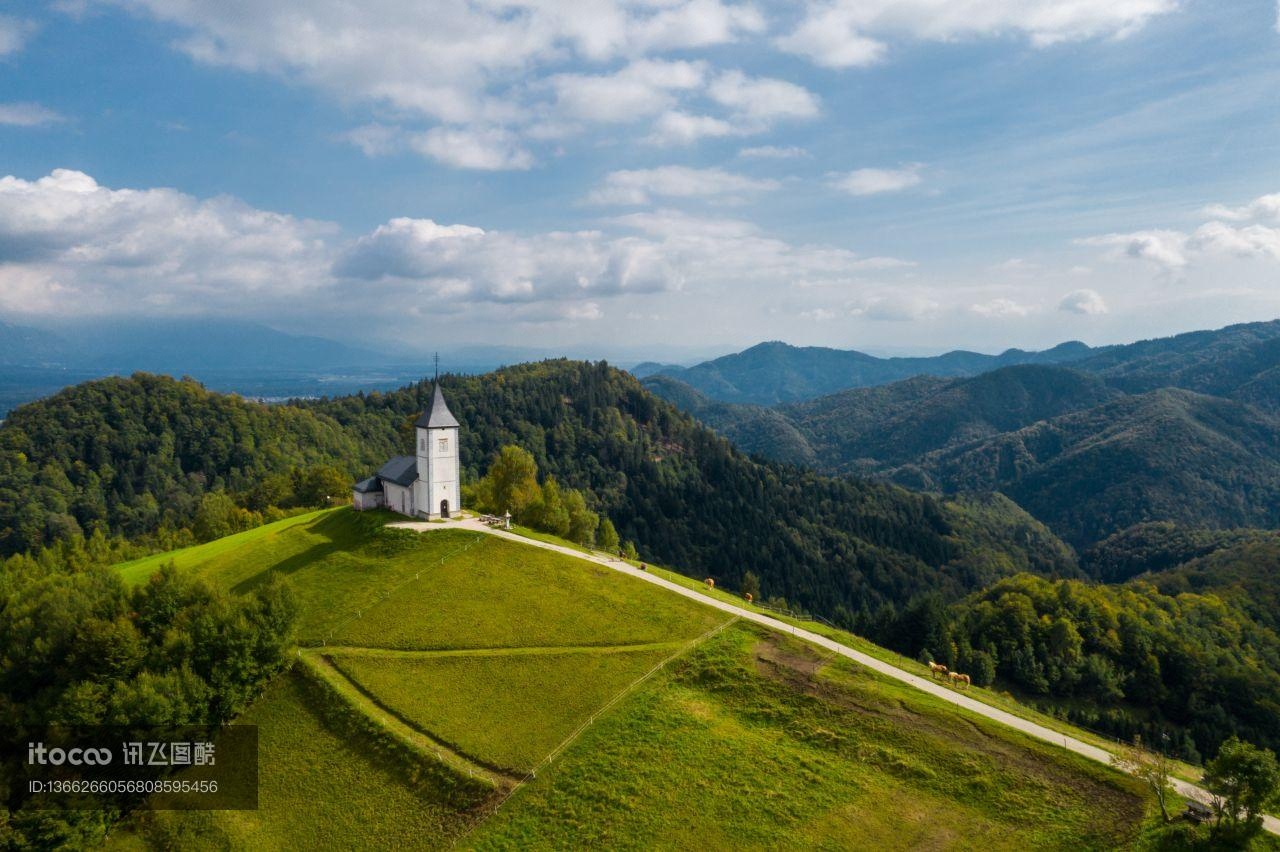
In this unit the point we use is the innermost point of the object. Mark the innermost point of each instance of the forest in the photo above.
(121, 467)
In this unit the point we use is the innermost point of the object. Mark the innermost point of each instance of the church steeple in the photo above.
(437, 415)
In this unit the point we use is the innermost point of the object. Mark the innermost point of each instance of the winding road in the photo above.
(973, 705)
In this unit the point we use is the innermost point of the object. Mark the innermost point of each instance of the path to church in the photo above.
(924, 684)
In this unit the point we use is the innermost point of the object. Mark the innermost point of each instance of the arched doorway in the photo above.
(444, 508)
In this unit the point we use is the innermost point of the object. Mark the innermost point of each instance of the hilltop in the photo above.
(438, 670)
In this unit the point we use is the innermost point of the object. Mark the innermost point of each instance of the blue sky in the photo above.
(685, 175)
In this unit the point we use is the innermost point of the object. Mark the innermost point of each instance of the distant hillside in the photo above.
(770, 373)
(1239, 361)
(1165, 455)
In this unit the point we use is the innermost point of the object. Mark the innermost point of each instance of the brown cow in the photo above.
(711, 584)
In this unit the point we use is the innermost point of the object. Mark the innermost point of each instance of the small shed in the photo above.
(367, 494)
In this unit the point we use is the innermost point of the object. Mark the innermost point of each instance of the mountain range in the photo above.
(1181, 429)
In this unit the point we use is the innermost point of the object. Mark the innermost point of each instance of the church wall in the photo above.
(398, 498)
(366, 500)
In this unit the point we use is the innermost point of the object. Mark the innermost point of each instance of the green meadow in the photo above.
(439, 668)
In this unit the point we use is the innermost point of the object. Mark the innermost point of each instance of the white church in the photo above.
(424, 485)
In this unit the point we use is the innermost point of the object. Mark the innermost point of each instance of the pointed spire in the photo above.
(437, 415)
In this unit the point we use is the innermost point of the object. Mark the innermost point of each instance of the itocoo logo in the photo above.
(38, 753)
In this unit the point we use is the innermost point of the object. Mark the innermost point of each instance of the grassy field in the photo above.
(793, 750)
(491, 653)
(509, 710)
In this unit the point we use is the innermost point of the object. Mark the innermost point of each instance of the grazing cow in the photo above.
(711, 584)
(748, 597)
(937, 670)
(960, 681)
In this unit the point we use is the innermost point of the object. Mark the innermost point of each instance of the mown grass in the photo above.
(317, 790)
(754, 742)
(993, 697)
(138, 570)
(502, 709)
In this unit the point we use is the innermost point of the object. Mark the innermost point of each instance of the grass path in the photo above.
(1040, 732)
(549, 650)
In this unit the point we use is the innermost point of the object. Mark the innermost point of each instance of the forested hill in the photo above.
(687, 497)
(1070, 447)
(1239, 361)
(774, 372)
(134, 455)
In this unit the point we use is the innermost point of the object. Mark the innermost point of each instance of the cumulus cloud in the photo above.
(1000, 309)
(71, 246)
(762, 100)
(484, 148)
(848, 33)
(682, 128)
(1173, 250)
(640, 186)
(641, 89)
(421, 257)
(27, 115)
(1166, 249)
(477, 68)
(1087, 302)
(877, 181)
(1263, 207)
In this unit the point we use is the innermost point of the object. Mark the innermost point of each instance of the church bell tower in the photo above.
(438, 491)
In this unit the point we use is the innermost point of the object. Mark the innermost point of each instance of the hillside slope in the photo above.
(728, 736)
(1165, 455)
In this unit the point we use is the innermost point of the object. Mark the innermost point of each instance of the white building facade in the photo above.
(427, 484)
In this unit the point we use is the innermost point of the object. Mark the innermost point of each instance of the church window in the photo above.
(444, 445)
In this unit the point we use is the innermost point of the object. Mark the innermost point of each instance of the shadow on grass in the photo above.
(341, 529)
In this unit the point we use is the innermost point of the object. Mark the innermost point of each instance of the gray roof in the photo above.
(364, 486)
(437, 415)
(401, 470)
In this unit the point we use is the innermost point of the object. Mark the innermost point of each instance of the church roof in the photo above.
(437, 415)
(401, 470)
(364, 486)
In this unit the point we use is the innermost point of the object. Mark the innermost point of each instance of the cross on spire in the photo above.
(437, 378)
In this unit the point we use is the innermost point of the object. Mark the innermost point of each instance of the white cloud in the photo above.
(1087, 302)
(419, 258)
(896, 307)
(848, 33)
(68, 246)
(14, 34)
(773, 152)
(1166, 249)
(681, 128)
(640, 186)
(1248, 241)
(641, 89)
(484, 148)
(1000, 309)
(877, 181)
(27, 115)
(820, 314)
(1262, 207)
(1174, 250)
(762, 100)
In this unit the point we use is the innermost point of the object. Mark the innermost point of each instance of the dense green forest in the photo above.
(1186, 652)
(1070, 447)
(113, 467)
(79, 648)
